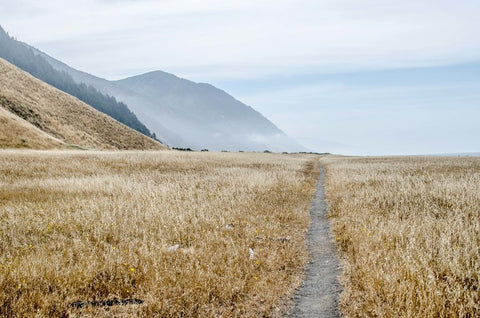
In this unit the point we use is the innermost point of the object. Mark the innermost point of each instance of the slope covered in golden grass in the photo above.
(59, 115)
(16, 132)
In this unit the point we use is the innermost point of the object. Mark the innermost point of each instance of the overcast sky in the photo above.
(344, 76)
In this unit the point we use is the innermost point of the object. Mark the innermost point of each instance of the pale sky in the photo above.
(344, 76)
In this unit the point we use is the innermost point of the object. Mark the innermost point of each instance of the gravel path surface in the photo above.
(318, 297)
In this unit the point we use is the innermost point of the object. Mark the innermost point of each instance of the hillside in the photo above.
(186, 114)
(35, 115)
(22, 56)
(126, 95)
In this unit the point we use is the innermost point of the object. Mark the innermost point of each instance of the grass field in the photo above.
(189, 234)
(408, 231)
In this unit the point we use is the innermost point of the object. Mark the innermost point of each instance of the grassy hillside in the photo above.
(189, 234)
(23, 56)
(59, 115)
(408, 232)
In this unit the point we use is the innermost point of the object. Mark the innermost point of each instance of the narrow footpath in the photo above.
(318, 297)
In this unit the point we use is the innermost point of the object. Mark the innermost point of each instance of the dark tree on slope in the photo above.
(21, 56)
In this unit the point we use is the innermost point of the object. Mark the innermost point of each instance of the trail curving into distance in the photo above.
(318, 297)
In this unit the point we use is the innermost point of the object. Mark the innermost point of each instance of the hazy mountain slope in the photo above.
(141, 103)
(207, 115)
(61, 116)
(23, 56)
(186, 114)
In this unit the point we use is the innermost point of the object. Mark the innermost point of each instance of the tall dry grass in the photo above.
(18, 133)
(408, 230)
(176, 230)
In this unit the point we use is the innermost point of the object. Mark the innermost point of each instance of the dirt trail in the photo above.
(318, 297)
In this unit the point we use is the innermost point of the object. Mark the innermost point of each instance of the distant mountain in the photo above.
(205, 116)
(186, 114)
(121, 93)
(23, 56)
(36, 115)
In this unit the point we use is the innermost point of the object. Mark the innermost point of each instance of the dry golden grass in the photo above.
(59, 115)
(90, 226)
(408, 230)
(18, 133)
